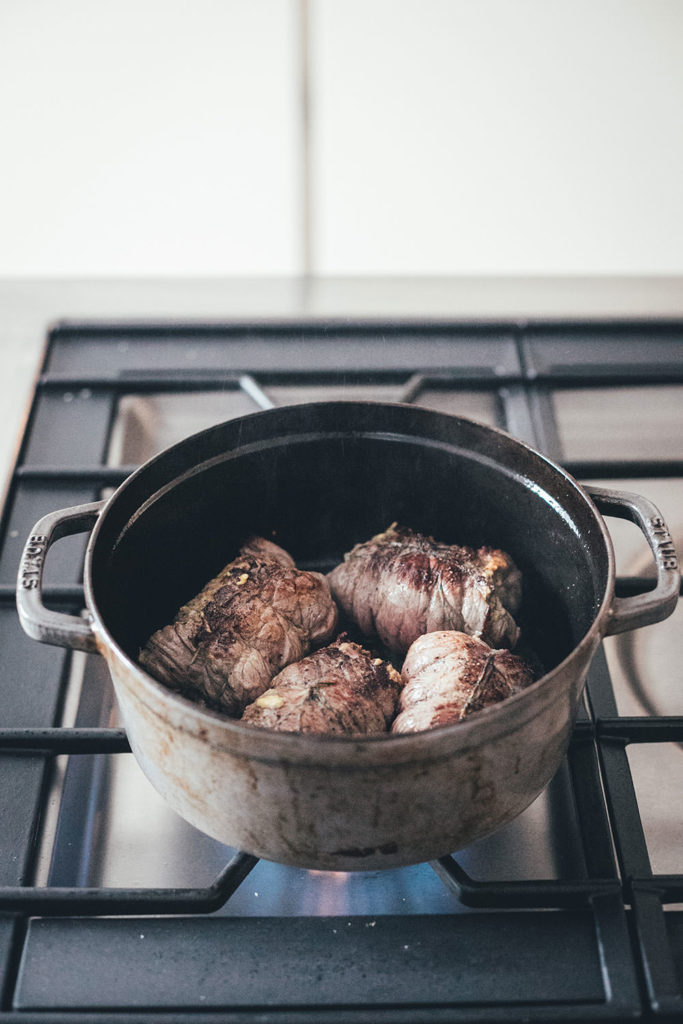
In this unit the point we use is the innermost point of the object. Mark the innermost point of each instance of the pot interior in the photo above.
(317, 481)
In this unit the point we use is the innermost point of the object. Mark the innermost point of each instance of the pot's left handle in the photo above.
(38, 621)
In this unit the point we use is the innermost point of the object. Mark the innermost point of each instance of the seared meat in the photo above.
(448, 676)
(259, 614)
(400, 585)
(339, 689)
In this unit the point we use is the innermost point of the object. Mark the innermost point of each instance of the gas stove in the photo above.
(111, 906)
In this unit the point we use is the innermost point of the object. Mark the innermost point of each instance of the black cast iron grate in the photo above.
(605, 945)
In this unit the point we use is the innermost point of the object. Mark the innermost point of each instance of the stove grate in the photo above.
(556, 949)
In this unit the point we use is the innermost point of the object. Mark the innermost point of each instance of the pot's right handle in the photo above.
(38, 621)
(643, 609)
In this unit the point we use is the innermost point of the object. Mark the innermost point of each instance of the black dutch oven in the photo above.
(317, 479)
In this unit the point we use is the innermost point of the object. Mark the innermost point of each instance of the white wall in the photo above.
(148, 137)
(497, 136)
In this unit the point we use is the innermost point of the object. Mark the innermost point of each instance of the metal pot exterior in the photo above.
(344, 803)
(376, 806)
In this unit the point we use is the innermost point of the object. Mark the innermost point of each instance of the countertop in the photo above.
(28, 308)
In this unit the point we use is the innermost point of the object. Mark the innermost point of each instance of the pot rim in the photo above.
(497, 719)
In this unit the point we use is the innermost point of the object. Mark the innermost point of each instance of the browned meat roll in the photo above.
(449, 675)
(340, 689)
(400, 585)
(259, 614)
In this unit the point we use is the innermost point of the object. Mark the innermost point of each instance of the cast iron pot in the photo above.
(318, 479)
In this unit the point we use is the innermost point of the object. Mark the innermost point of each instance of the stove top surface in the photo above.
(570, 912)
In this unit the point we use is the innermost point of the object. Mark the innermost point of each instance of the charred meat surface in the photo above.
(341, 689)
(449, 675)
(257, 615)
(401, 584)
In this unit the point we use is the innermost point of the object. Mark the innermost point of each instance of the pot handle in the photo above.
(643, 609)
(38, 621)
